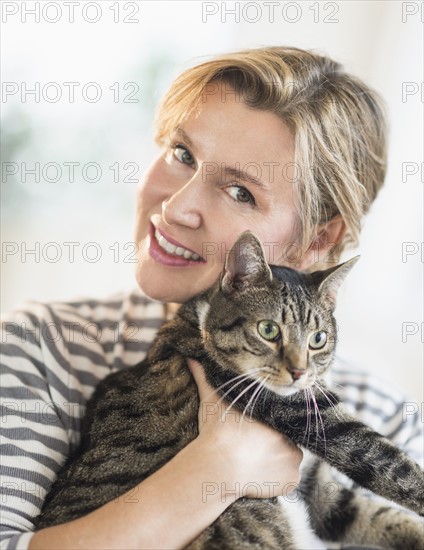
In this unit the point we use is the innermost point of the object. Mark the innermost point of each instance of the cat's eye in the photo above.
(318, 340)
(269, 330)
(182, 154)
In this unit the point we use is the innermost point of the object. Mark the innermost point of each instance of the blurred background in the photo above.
(70, 163)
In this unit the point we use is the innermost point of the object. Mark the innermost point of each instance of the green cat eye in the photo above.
(318, 339)
(269, 330)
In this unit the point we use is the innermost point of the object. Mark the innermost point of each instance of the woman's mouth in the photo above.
(175, 250)
(170, 253)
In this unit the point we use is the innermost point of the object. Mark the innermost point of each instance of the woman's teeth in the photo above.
(175, 250)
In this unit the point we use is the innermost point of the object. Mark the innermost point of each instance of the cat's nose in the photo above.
(296, 373)
(295, 363)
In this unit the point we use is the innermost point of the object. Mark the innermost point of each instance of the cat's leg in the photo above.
(339, 514)
(356, 450)
(249, 524)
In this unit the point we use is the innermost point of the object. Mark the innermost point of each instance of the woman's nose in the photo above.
(183, 206)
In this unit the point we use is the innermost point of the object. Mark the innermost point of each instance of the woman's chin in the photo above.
(161, 289)
(166, 283)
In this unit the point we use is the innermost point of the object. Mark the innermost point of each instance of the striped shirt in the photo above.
(54, 354)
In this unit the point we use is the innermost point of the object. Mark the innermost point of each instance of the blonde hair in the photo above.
(337, 121)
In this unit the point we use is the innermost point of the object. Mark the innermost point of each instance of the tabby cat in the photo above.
(266, 337)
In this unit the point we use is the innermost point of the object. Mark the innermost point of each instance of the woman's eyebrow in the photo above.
(186, 138)
(242, 175)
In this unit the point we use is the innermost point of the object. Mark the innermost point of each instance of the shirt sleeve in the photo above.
(35, 422)
(53, 356)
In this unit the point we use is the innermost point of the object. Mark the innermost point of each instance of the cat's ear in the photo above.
(245, 264)
(329, 281)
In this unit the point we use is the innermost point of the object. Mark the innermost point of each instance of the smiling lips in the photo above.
(175, 250)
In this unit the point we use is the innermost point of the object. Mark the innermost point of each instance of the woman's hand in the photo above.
(257, 461)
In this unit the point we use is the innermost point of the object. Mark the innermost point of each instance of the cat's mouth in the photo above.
(286, 384)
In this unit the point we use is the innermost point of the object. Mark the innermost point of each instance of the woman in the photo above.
(276, 140)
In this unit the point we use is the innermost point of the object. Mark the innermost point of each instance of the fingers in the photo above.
(196, 370)
(205, 389)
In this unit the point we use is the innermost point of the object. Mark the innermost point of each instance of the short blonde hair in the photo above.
(338, 124)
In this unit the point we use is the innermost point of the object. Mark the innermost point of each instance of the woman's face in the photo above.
(226, 169)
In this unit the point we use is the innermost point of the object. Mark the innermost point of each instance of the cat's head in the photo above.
(271, 323)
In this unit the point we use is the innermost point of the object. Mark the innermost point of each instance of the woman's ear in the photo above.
(328, 236)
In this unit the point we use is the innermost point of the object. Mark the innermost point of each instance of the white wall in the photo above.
(370, 38)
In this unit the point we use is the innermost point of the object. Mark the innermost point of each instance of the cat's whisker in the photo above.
(329, 398)
(223, 396)
(267, 391)
(238, 397)
(243, 377)
(312, 414)
(263, 387)
(252, 397)
(335, 384)
(308, 416)
(330, 401)
(339, 385)
(319, 417)
(316, 419)
(255, 397)
(305, 393)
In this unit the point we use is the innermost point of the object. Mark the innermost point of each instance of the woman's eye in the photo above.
(269, 330)
(240, 194)
(182, 154)
(318, 340)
